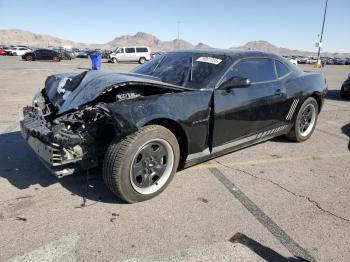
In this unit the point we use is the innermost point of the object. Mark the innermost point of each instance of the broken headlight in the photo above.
(38, 100)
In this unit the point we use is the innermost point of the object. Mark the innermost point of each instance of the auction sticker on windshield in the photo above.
(210, 60)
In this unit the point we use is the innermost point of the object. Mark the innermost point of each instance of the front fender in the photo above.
(189, 109)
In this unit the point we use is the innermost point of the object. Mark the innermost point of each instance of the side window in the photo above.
(255, 69)
(281, 69)
(129, 50)
(22, 48)
(141, 50)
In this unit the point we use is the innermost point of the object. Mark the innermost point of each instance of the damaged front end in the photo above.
(69, 124)
(68, 143)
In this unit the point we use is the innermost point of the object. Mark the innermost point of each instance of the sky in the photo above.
(294, 24)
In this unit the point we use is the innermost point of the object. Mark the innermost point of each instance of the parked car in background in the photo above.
(106, 53)
(2, 51)
(75, 51)
(15, 51)
(83, 54)
(311, 60)
(345, 88)
(293, 61)
(339, 61)
(180, 108)
(66, 54)
(139, 54)
(42, 54)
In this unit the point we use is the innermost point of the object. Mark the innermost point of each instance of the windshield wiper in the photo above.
(157, 65)
(191, 70)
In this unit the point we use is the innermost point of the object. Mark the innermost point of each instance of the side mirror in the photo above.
(235, 82)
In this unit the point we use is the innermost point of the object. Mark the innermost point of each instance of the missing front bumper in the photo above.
(52, 156)
(60, 160)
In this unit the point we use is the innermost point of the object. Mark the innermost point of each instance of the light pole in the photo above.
(321, 37)
(178, 34)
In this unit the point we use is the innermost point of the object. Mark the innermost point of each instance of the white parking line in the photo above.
(58, 250)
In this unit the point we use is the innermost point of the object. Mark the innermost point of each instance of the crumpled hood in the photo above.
(70, 91)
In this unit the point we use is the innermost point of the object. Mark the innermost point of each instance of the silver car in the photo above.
(139, 54)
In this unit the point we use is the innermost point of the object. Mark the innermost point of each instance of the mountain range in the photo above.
(21, 37)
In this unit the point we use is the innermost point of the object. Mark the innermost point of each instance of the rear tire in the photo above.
(140, 166)
(29, 58)
(55, 59)
(305, 122)
(142, 60)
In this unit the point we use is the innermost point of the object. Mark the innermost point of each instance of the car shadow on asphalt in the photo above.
(346, 130)
(22, 169)
(335, 95)
(264, 252)
(282, 139)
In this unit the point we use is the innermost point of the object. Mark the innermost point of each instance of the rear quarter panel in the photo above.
(307, 84)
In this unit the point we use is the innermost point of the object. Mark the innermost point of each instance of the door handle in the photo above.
(278, 92)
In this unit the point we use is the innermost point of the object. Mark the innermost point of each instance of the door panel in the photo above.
(121, 54)
(243, 111)
(39, 54)
(240, 112)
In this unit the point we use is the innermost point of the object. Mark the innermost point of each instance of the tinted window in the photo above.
(129, 50)
(255, 69)
(281, 69)
(141, 50)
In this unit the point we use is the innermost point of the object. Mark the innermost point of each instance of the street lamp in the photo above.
(319, 44)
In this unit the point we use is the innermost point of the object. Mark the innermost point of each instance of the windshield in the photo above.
(119, 50)
(192, 70)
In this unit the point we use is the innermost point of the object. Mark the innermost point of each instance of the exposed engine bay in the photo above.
(79, 134)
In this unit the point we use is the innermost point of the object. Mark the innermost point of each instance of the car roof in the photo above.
(234, 53)
(46, 49)
(133, 46)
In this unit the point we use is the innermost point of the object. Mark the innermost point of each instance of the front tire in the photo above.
(305, 122)
(114, 60)
(140, 166)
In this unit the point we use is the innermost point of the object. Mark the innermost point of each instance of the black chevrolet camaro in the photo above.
(179, 109)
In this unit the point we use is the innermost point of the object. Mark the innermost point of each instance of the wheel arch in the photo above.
(178, 132)
(318, 99)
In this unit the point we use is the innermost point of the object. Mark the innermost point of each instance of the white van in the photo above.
(139, 54)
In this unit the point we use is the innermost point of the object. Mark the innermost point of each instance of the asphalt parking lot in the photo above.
(278, 200)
